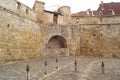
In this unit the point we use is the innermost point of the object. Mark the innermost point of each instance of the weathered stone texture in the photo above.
(48, 31)
(95, 40)
(66, 12)
(21, 9)
(25, 11)
(67, 32)
(101, 40)
(19, 37)
(97, 20)
(23, 36)
(47, 17)
(8, 4)
(38, 6)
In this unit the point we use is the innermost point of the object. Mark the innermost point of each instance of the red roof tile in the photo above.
(82, 14)
(106, 7)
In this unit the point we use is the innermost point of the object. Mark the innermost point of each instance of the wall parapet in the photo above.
(25, 11)
(96, 20)
(13, 13)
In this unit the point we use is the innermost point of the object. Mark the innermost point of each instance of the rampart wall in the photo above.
(22, 38)
(19, 37)
(96, 20)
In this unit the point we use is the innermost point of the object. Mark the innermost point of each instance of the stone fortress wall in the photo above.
(97, 20)
(18, 37)
(23, 36)
(9, 4)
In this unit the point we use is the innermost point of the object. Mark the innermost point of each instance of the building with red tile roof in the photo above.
(108, 9)
(89, 12)
(104, 9)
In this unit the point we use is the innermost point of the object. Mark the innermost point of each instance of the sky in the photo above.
(76, 5)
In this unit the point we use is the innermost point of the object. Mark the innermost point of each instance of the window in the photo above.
(8, 25)
(111, 12)
(55, 17)
(77, 20)
(90, 13)
(26, 11)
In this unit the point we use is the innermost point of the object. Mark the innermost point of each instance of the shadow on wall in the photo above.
(56, 42)
(57, 45)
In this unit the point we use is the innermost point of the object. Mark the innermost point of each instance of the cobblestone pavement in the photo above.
(88, 68)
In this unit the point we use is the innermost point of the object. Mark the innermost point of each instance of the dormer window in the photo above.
(111, 12)
(89, 12)
(100, 13)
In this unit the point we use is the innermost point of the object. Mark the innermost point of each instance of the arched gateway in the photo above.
(57, 45)
(56, 42)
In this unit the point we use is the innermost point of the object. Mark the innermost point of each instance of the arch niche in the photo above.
(56, 42)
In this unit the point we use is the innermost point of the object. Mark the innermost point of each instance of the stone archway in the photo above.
(57, 45)
(56, 42)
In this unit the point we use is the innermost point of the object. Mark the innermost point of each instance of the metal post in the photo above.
(75, 65)
(45, 68)
(57, 64)
(102, 67)
(28, 72)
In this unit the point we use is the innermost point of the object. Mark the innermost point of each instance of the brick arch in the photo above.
(56, 41)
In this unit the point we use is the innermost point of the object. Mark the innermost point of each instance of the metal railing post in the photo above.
(57, 65)
(75, 65)
(102, 67)
(45, 68)
(28, 72)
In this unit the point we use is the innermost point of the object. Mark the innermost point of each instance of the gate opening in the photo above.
(56, 42)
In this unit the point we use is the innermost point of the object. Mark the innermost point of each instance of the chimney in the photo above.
(102, 5)
(101, 2)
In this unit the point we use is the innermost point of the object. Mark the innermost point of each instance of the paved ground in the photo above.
(89, 68)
